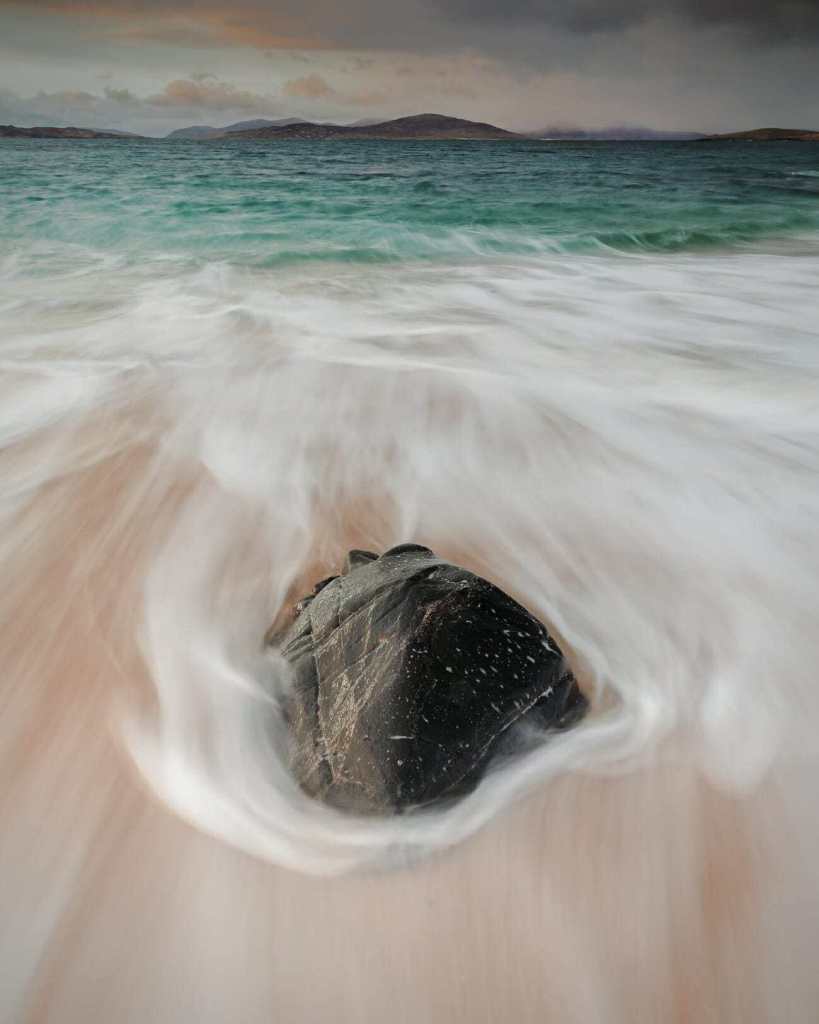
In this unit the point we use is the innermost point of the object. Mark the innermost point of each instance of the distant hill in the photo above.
(205, 131)
(195, 131)
(10, 131)
(419, 126)
(116, 131)
(768, 135)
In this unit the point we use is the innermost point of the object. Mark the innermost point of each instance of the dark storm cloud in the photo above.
(765, 18)
(575, 16)
(778, 17)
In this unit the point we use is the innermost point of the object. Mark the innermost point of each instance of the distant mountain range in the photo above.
(419, 126)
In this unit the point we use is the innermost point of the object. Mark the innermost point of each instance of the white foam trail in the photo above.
(629, 445)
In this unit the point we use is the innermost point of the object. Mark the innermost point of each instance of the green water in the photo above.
(262, 204)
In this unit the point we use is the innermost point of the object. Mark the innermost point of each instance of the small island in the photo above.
(10, 131)
(767, 135)
(424, 127)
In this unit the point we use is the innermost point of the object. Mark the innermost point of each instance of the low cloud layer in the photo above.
(180, 100)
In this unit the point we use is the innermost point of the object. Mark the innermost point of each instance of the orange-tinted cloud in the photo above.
(309, 87)
(313, 87)
(205, 23)
(211, 94)
(211, 30)
(367, 98)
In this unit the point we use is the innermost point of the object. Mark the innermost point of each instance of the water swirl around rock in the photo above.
(411, 674)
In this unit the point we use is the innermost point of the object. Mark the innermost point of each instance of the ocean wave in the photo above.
(386, 203)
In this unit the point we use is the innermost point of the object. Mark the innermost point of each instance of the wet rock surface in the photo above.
(411, 674)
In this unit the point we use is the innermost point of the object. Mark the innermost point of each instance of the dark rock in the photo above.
(410, 674)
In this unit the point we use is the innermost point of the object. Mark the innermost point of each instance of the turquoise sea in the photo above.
(260, 204)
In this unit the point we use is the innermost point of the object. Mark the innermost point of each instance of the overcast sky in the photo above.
(154, 65)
